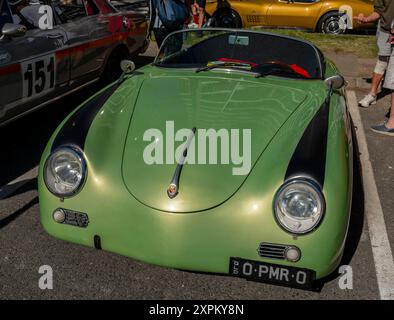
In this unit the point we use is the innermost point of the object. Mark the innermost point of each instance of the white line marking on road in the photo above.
(383, 257)
(19, 182)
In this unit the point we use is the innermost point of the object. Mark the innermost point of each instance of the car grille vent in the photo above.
(254, 18)
(270, 250)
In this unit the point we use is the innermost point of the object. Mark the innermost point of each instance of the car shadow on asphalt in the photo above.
(356, 221)
(17, 188)
(13, 216)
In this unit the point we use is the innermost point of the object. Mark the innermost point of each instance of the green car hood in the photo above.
(202, 102)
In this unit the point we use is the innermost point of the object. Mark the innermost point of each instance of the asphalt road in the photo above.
(86, 273)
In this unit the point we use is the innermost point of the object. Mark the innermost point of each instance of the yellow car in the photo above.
(331, 16)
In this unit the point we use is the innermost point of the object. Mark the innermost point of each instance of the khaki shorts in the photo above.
(383, 45)
(389, 79)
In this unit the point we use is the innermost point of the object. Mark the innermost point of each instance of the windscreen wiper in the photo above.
(225, 64)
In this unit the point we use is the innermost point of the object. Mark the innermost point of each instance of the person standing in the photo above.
(387, 128)
(167, 16)
(198, 10)
(384, 14)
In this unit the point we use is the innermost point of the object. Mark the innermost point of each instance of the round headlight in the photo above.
(64, 171)
(299, 206)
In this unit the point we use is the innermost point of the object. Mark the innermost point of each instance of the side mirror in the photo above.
(335, 82)
(13, 30)
(127, 66)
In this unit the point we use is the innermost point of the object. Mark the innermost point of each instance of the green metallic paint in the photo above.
(202, 101)
(205, 240)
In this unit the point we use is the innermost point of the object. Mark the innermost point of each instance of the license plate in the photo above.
(272, 273)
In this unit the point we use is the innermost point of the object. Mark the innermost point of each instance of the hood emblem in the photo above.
(173, 188)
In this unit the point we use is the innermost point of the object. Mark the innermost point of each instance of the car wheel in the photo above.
(227, 19)
(112, 69)
(331, 24)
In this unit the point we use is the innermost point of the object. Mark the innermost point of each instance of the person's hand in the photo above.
(361, 18)
(391, 37)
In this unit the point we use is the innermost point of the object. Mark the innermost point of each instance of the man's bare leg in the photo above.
(377, 77)
(376, 80)
(201, 16)
(390, 122)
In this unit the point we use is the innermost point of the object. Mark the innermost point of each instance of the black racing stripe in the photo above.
(309, 157)
(75, 130)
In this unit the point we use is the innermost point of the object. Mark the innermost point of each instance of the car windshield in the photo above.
(250, 51)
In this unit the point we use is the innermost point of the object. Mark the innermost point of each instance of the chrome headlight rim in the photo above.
(310, 182)
(75, 150)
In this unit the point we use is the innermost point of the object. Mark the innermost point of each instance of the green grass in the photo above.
(361, 45)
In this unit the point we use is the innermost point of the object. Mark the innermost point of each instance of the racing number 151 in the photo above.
(38, 76)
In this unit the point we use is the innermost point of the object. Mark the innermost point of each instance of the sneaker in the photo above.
(368, 100)
(382, 129)
(192, 25)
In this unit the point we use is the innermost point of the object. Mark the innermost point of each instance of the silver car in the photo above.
(50, 48)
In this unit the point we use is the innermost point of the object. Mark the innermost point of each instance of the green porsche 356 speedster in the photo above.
(231, 153)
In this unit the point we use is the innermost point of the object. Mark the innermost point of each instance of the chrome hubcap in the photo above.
(333, 26)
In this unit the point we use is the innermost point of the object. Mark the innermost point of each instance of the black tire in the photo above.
(330, 23)
(227, 19)
(112, 69)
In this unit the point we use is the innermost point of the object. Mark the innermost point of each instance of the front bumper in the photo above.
(202, 241)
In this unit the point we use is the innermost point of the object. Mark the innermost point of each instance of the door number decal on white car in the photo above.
(38, 75)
